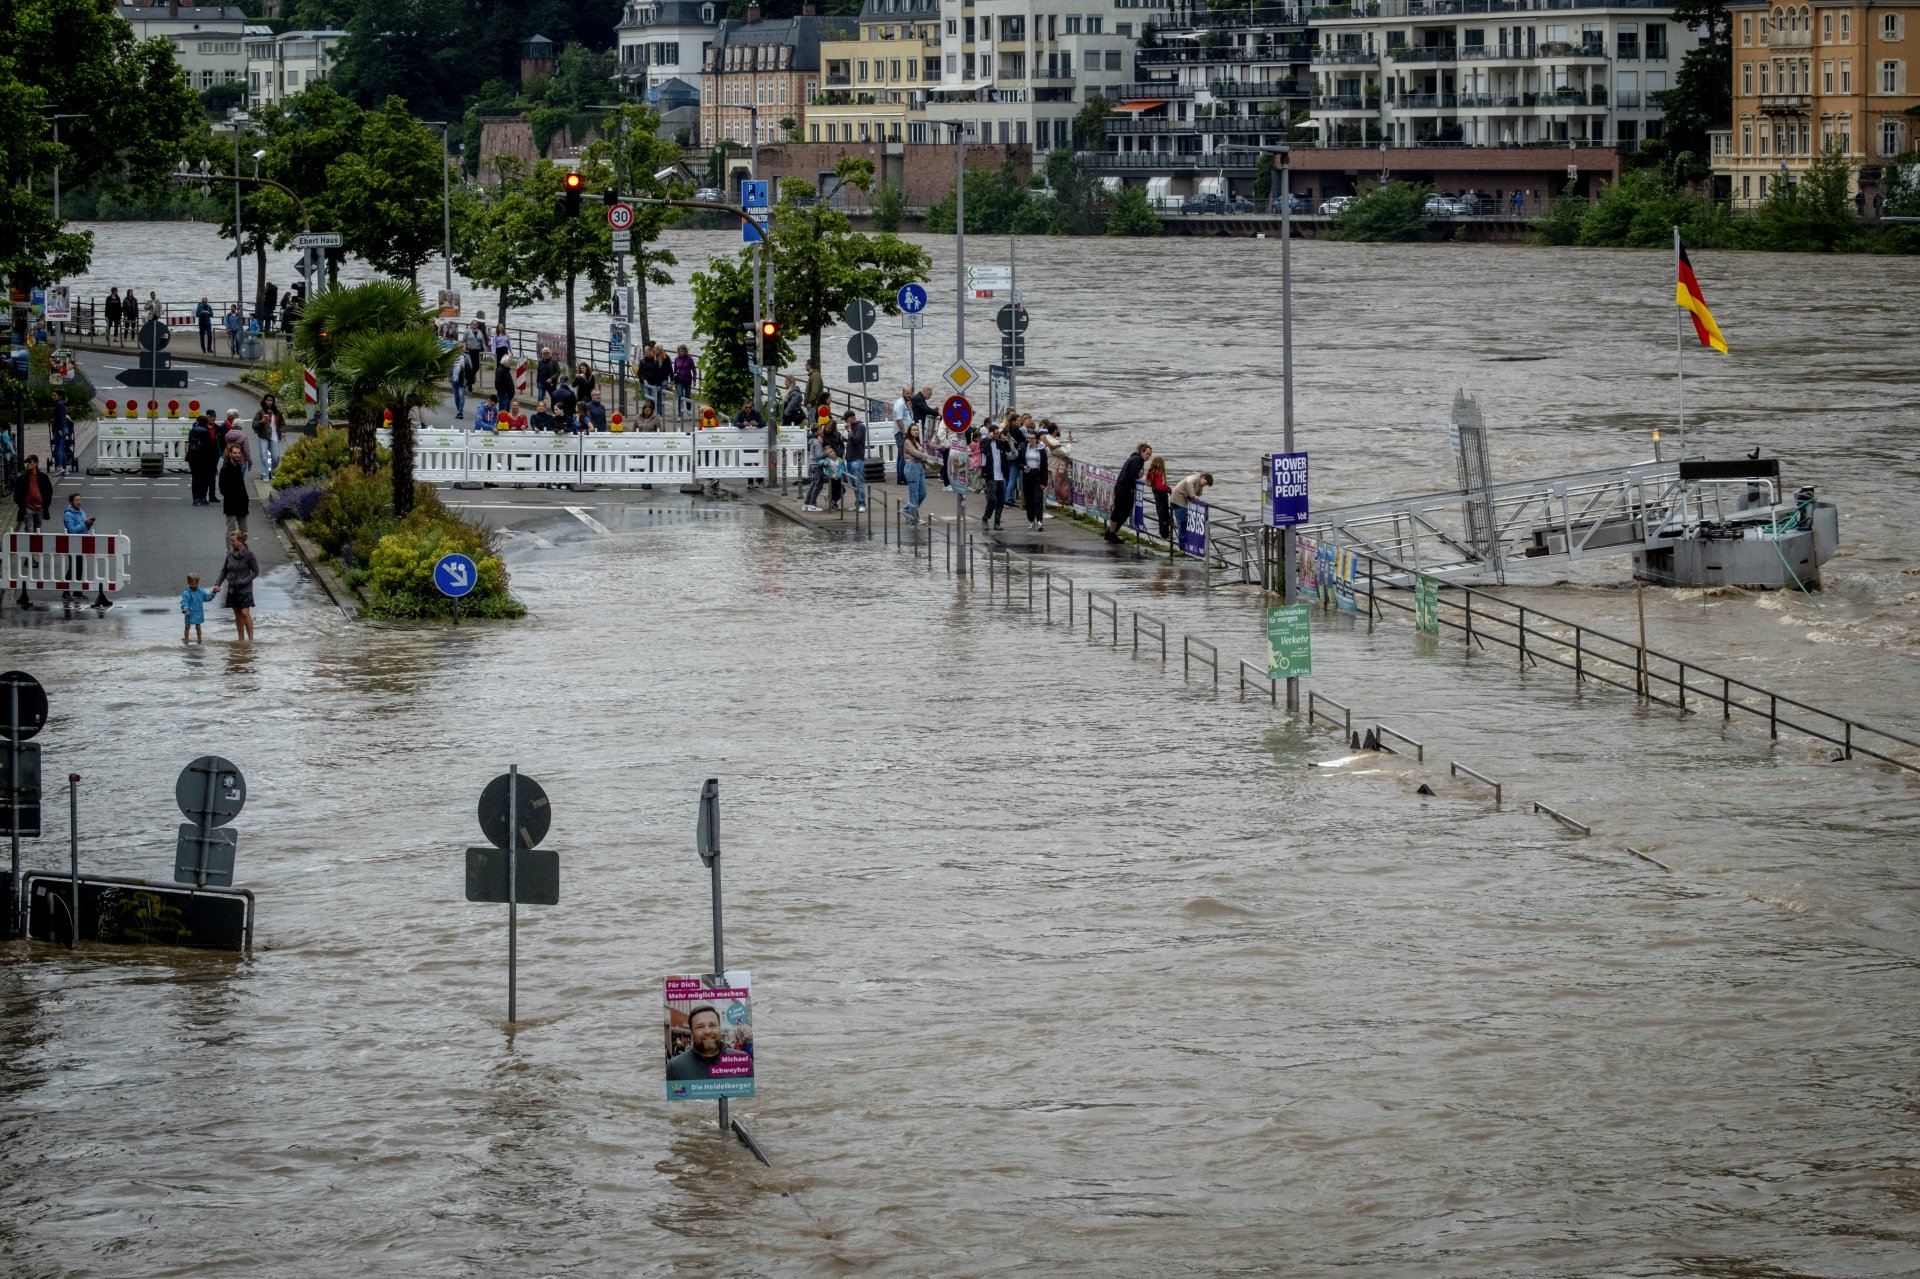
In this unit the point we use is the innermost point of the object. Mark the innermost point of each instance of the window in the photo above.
(1020, 131)
(706, 14)
(813, 87)
(953, 26)
(1891, 75)
(1093, 59)
(1846, 26)
(1826, 77)
(1113, 59)
(1746, 139)
(1763, 184)
(1764, 89)
(1846, 135)
(893, 69)
(1846, 75)
(1889, 137)
(1004, 130)
(861, 74)
(1746, 186)
(1093, 24)
(930, 69)
(1073, 24)
(293, 79)
(1627, 41)
(813, 131)
(206, 79)
(1890, 26)
(783, 92)
(1746, 79)
(1826, 27)
(1766, 138)
(1746, 31)
(1657, 40)
(1040, 128)
(253, 82)
(1656, 83)
(1123, 29)
(953, 64)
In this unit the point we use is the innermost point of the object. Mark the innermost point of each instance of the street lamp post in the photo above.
(238, 119)
(960, 312)
(1282, 155)
(446, 197)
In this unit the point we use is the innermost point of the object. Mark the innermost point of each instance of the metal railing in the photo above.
(1094, 599)
(1538, 638)
(1212, 658)
(1455, 768)
(1314, 702)
(1260, 676)
(1562, 818)
(1159, 632)
(1381, 733)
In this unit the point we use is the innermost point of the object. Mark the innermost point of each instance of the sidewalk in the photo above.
(184, 347)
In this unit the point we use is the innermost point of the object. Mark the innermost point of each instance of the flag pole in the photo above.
(1679, 357)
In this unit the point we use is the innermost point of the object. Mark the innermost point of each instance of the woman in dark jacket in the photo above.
(1031, 458)
(129, 312)
(237, 576)
(233, 490)
(112, 312)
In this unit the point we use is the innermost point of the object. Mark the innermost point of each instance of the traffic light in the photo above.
(571, 183)
(769, 331)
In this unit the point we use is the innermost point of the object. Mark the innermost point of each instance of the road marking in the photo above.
(579, 513)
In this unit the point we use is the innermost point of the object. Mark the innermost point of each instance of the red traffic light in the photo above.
(770, 330)
(573, 181)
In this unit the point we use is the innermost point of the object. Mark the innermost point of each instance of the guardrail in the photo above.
(1113, 614)
(1562, 818)
(1050, 591)
(1187, 644)
(1314, 712)
(1159, 632)
(1260, 676)
(1539, 638)
(1455, 768)
(1381, 733)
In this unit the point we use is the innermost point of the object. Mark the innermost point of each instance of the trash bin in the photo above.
(250, 348)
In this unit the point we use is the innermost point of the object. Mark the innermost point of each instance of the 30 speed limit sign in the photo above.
(619, 216)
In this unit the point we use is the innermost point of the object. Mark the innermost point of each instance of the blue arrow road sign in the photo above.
(753, 194)
(912, 299)
(455, 575)
(751, 232)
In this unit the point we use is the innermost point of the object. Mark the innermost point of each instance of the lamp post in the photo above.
(238, 119)
(446, 197)
(56, 164)
(959, 239)
(1383, 162)
(1283, 162)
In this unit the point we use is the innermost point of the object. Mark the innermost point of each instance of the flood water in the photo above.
(1064, 964)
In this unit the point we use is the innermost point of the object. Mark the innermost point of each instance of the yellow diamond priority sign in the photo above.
(961, 375)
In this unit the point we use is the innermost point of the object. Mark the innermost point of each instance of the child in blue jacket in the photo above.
(193, 607)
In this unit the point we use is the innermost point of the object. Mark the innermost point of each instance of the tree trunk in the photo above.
(646, 325)
(402, 460)
(363, 441)
(502, 319)
(260, 275)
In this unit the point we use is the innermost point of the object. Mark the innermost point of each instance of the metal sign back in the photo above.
(33, 705)
(20, 804)
(859, 315)
(211, 789)
(209, 853)
(536, 815)
(538, 876)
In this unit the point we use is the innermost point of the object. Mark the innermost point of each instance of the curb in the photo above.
(316, 563)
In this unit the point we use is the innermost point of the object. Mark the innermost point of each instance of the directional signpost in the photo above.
(912, 300)
(514, 816)
(862, 348)
(454, 576)
(156, 366)
(985, 279)
(210, 792)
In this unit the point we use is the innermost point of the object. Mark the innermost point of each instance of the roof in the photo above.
(161, 12)
(899, 10)
(671, 13)
(803, 34)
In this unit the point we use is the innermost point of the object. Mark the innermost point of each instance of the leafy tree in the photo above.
(995, 202)
(1640, 212)
(1701, 99)
(889, 208)
(305, 136)
(625, 158)
(1396, 211)
(384, 195)
(1076, 197)
(821, 263)
(1090, 125)
(222, 98)
(1560, 224)
(722, 316)
(132, 114)
(495, 244)
(565, 248)
(409, 49)
(1132, 215)
(331, 321)
(395, 371)
(1814, 214)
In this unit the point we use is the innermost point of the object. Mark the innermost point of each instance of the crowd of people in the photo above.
(122, 314)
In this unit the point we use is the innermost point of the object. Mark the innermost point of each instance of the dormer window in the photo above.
(706, 13)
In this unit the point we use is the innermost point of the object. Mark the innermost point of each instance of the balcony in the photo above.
(1428, 101)
(1449, 8)
(1436, 53)
(1626, 98)
(1488, 101)
(1335, 103)
(1562, 50)
(1785, 103)
(1345, 58)
(1240, 124)
(1257, 89)
(1201, 56)
(1559, 99)
(1779, 39)
(1167, 160)
(1155, 89)
(1117, 125)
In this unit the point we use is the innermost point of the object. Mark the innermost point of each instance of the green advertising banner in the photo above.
(1289, 642)
(1426, 605)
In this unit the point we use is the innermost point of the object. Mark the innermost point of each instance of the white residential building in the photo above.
(666, 40)
(209, 42)
(1494, 72)
(279, 67)
(1018, 71)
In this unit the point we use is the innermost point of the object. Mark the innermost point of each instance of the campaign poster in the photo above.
(1426, 604)
(709, 1036)
(1193, 536)
(1286, 487)
(449, 304)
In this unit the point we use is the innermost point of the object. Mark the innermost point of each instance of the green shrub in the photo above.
(889, 207)
(355, 514)
(401, 575)
(315, 457)
(1396, 211)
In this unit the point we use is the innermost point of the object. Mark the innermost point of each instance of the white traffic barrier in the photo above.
(67, 561)
(120, 442)
(514, 458)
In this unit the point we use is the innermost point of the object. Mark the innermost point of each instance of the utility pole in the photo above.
(959, 241)
(1288, 589)
(446, 197)
(238, 119)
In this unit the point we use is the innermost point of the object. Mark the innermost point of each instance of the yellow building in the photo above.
(874, 88)
(1810, 76)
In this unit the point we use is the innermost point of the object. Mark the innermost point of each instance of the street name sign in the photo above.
(317, 240)
(989, 277)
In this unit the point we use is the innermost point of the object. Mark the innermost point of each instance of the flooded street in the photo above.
(1064, 964)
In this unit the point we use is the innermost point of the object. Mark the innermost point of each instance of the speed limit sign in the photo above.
(619, 216)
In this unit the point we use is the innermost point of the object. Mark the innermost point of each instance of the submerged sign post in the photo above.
(1193, 534)
(1426, 604)
(514, 816)
(211, 792)
(455, 575)
(709, 1036)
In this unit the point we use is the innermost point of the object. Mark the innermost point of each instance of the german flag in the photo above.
(1686, 294)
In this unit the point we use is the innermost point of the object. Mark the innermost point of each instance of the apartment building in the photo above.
(1494, 72)
(282, 66)
(761, 74)
(662, 41)
(209, 41)
(1809, 77)
(1212, 87)
(874, 87)
(1017, 71)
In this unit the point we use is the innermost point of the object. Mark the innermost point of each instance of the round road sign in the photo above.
(211, 790)
(957, 413)
(912, 299)
(536, 815)
(620, 216)
(33, 705)
(455, 575)
(862, 347)
(859, 315)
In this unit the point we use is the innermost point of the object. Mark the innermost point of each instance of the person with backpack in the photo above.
(203, 457)
(270, 428)
(793, 406)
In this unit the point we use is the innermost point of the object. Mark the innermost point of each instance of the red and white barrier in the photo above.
(79, 562)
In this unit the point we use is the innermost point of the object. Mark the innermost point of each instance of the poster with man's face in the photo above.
(709, 1036)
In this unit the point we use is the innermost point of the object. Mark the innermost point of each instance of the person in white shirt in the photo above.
(1185, 491)
(902, 418)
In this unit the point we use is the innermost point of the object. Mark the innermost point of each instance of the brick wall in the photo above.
(924, 170)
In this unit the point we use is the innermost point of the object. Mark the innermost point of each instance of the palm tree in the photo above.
(397, 371)
(335, 317)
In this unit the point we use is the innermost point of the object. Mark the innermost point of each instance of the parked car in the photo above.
(1240, 204)
(1336, 206)
(711, 195)
(1299, 204)
(1208, 203)
(1439, 206)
